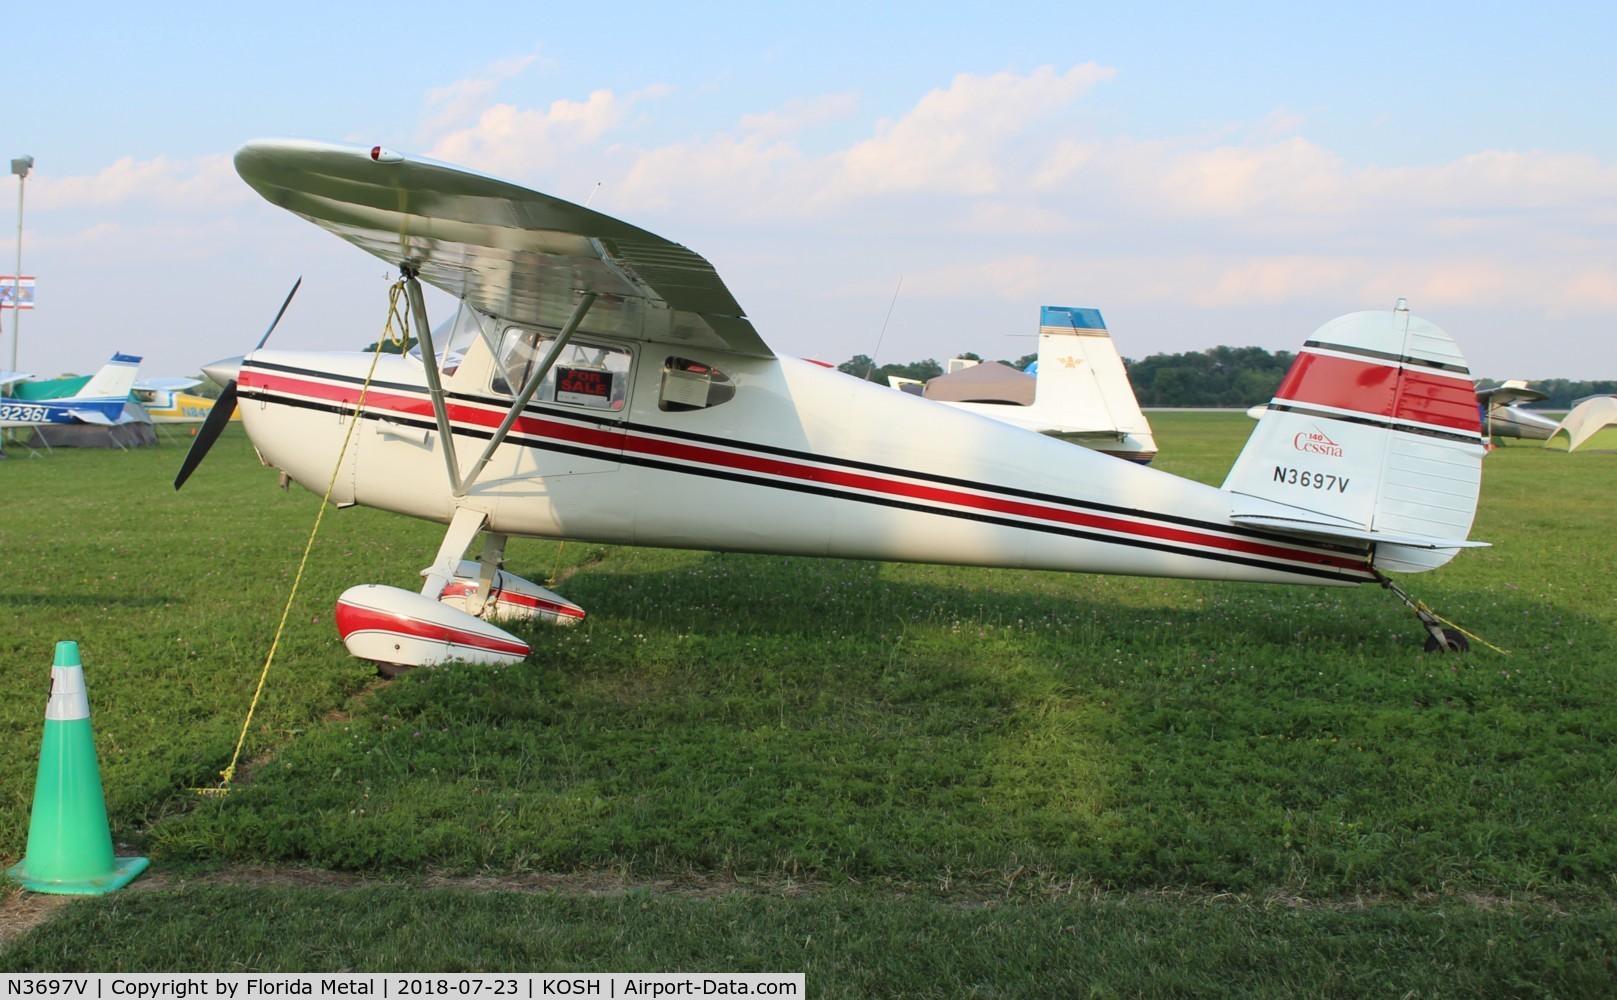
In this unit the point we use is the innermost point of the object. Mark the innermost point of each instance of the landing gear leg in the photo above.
(489, 563)
(1438, 638)
(462, 529)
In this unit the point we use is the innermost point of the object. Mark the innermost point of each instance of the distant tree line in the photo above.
(1218, 376)
(1562, 392)
(866, 368)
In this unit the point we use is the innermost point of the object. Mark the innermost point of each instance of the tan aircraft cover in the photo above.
(1585, 419)
(989, 382)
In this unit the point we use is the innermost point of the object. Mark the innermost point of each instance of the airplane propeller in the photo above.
(225, 406)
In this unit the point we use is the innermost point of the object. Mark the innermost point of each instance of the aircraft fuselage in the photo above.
(798, 459)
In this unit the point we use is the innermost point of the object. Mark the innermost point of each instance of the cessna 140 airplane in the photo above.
(599, 382)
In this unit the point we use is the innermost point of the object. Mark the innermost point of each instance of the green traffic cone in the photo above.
(69, 842)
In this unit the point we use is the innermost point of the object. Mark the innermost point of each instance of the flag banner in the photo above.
(15, 289)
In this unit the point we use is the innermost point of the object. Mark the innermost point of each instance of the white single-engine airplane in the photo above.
(1504, 419)
(599, 382)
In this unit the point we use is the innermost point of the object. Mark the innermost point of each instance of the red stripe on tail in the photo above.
(1381, 390)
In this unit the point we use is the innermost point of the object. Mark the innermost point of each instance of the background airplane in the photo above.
(1503, 418)
(612, 390)
(166, 402)
(98, 399)
(1076, 390)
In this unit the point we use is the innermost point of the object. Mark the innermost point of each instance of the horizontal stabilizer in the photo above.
(1315, 529)
(91, 417)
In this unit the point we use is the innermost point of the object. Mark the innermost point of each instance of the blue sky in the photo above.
(1202, 174)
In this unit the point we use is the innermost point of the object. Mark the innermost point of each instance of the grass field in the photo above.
(899, 779)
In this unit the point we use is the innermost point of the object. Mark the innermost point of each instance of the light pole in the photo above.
(20, 167)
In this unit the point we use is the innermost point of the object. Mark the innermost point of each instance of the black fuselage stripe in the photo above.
(1240, 531)
(643, 461)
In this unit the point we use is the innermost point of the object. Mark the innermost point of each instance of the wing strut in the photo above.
(528, 389)
(435, 386)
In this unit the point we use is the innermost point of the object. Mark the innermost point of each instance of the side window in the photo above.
(593, 376)
(692, 385)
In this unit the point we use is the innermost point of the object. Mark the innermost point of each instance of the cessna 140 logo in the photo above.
(1316, 443)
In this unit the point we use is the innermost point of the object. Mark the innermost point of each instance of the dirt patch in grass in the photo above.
(21, 912)
(604, 883)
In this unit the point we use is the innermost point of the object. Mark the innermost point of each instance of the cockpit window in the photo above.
(587, 375)
(693, 385)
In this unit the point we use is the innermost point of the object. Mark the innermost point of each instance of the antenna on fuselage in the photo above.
(593, 190)
(888, 318)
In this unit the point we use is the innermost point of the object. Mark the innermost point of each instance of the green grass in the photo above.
(1012, 779)
(851, 944)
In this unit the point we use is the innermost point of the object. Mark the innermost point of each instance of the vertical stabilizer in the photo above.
(1083, 389)
(1374, 433)
(114, 380)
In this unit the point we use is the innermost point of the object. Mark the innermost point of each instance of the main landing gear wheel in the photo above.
(1453, 641)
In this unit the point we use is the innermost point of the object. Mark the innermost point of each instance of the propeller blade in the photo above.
(278, 315)
(208, 433)
(225, 406)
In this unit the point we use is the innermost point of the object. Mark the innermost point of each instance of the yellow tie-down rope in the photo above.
(401, 338)
(1421, 606)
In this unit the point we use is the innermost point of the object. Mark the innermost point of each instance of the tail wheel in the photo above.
(1453, 641)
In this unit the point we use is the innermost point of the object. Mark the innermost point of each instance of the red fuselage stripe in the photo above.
(619, 440)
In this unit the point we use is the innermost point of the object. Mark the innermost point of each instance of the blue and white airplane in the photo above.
(98, 400)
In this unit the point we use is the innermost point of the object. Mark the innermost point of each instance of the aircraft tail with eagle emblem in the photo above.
(1082, 383)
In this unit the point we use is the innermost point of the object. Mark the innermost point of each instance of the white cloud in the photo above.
(203, 184)
(972, 184)
(746, 176)
(1267, 280)
(969, 139)
(462, 101)
(800, 115)
(510, 141)
(1588, 290)
(955, 139)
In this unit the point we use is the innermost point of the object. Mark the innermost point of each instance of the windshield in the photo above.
(453, 337)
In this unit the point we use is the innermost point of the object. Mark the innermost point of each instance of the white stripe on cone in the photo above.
(69, 699)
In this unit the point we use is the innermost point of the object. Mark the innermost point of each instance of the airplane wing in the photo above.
(513, 253)
(166, 384)
(1509, 393)
(6, 378)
